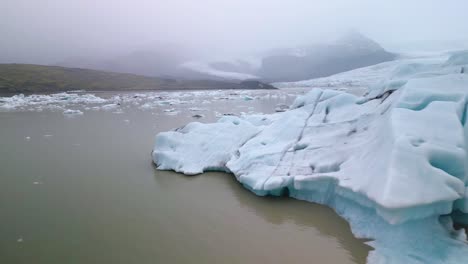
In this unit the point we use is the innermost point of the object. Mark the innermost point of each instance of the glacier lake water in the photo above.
(83, 189)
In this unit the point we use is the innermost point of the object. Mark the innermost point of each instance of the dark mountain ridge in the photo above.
(16, 78)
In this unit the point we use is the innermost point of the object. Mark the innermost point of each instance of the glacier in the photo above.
(392, 161)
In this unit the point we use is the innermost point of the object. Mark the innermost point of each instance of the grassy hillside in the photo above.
(39, 78)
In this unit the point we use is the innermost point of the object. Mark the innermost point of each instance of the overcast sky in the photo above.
(42, 31)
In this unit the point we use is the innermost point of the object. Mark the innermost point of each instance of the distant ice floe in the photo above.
(392, 162)
(77, 103)
(39, 102)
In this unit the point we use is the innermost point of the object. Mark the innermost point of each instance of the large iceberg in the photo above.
(392, 162)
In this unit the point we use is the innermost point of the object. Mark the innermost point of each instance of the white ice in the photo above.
(181, 101)
(71, 112)
(38, 102)
(392, 162)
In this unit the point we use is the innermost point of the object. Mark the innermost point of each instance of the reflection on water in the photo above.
(84, 190)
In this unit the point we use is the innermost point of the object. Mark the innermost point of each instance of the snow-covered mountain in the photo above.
(349, 52)
(288, 64)
(300, 63)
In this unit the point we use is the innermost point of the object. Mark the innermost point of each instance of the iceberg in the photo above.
(392, 162)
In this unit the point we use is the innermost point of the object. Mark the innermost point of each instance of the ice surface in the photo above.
(203, 153)
(391, 162)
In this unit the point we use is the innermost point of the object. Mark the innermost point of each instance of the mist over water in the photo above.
(50, 31)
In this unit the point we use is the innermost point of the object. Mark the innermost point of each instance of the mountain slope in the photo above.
(350, 52)
(39, 78)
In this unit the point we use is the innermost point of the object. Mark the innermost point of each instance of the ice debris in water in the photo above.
(281, 108)
(393, 162)
(109, 107)
(38, 102)
(72, 112)
(144, 101)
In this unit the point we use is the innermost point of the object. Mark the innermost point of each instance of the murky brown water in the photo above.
(84, 190)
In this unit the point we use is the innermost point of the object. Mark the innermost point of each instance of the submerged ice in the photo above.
(392, 162)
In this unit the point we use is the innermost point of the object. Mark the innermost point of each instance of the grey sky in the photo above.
(42, 31)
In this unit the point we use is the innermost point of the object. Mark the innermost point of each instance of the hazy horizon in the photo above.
(50, 31)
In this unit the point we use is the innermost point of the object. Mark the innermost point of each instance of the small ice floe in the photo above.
(171, 111)
(71, 112)
(172, 102)
(118, 111)
(281, 108)
(248, 98)
(109, 107)
(19, 240)
(27, 138)
(196, 109)
(37, 182)
(127, 121)
(147, 106)
(48, 135)
(198, 116)
(76, 91)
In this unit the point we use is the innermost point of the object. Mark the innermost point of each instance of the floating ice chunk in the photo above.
(196, 109)
(281, 108)
(110, 107)
(171, 111)
(72, 112)
(118, 111)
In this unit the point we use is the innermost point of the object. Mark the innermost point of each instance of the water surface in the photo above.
(84, 190)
